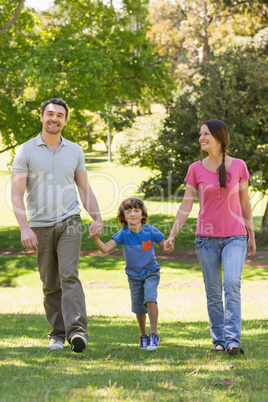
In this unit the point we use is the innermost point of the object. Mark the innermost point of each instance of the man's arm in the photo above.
(18, 187)
(88, 198)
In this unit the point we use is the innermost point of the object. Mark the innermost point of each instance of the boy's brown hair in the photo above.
(131, 203)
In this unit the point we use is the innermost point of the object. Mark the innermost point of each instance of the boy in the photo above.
(143, 271)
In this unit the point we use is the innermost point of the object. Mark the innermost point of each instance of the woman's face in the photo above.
(207, 141)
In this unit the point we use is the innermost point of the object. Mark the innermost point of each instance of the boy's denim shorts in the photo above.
(143, 289)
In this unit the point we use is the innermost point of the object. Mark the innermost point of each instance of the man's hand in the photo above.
(29, 239)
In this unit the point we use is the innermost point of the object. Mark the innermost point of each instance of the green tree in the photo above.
(87, 53)
(17, 39)
(137, 143)
(181, 30)
(165, 149)
(186, 32)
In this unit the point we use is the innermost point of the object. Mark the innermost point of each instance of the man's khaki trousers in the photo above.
(57, 260)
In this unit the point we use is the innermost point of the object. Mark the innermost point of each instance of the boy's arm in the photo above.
(105, 248)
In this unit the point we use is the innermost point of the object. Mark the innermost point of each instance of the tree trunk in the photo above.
(263, 233)
(89, 142)
(14, 17)
(205, 49)
(109, 143)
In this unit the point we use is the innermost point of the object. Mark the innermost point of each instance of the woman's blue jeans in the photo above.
(229, 253)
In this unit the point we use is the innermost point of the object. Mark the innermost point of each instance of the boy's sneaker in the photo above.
(78, 343)
(153, 342)
(144, 339)
(55, 344)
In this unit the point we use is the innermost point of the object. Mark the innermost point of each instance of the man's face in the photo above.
(53, 118)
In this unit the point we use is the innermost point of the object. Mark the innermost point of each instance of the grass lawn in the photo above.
(112, 367)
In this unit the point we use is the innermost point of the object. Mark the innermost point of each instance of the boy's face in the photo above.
(133, 216)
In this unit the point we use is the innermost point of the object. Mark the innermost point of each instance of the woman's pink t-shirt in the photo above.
(220, 213)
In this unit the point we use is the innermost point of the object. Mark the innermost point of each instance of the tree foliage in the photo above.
(138, 142)
(7, 24)
(83, 51)
(232, 87)
(186, 32)
(17, 108)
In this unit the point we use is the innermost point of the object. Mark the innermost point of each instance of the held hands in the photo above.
(95, 229)
(169, 244)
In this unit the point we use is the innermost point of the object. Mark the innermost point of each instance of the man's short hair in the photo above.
(56, 101)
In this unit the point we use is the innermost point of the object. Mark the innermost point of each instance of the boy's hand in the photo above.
(169, 245)
(95, 230)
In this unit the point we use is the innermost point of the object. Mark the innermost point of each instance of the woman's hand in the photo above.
(251, 247)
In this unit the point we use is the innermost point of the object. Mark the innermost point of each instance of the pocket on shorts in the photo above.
(147, 245)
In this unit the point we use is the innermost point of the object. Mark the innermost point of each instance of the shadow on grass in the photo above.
(92, 158)
(121, 336)
(254, 274)
(113, 358)
(14, 266)
(10, 238)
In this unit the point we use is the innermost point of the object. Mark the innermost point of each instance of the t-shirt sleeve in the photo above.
(157, 235)
(244, 173)
(81, 161)
(191, 176)
(118, 237)
(20, 162)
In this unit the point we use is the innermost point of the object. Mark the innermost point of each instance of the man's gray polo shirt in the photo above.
(50, 191)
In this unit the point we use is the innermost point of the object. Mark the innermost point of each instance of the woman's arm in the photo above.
(181, 217)
(247, 216)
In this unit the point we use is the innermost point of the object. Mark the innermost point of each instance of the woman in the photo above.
(221, 235)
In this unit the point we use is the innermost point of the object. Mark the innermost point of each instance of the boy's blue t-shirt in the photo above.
(138, 248)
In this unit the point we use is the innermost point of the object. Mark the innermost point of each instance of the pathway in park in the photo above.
(187, 256)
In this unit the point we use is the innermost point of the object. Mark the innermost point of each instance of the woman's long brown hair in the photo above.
(219, 131)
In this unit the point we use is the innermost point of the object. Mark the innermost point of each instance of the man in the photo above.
(47, 167)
